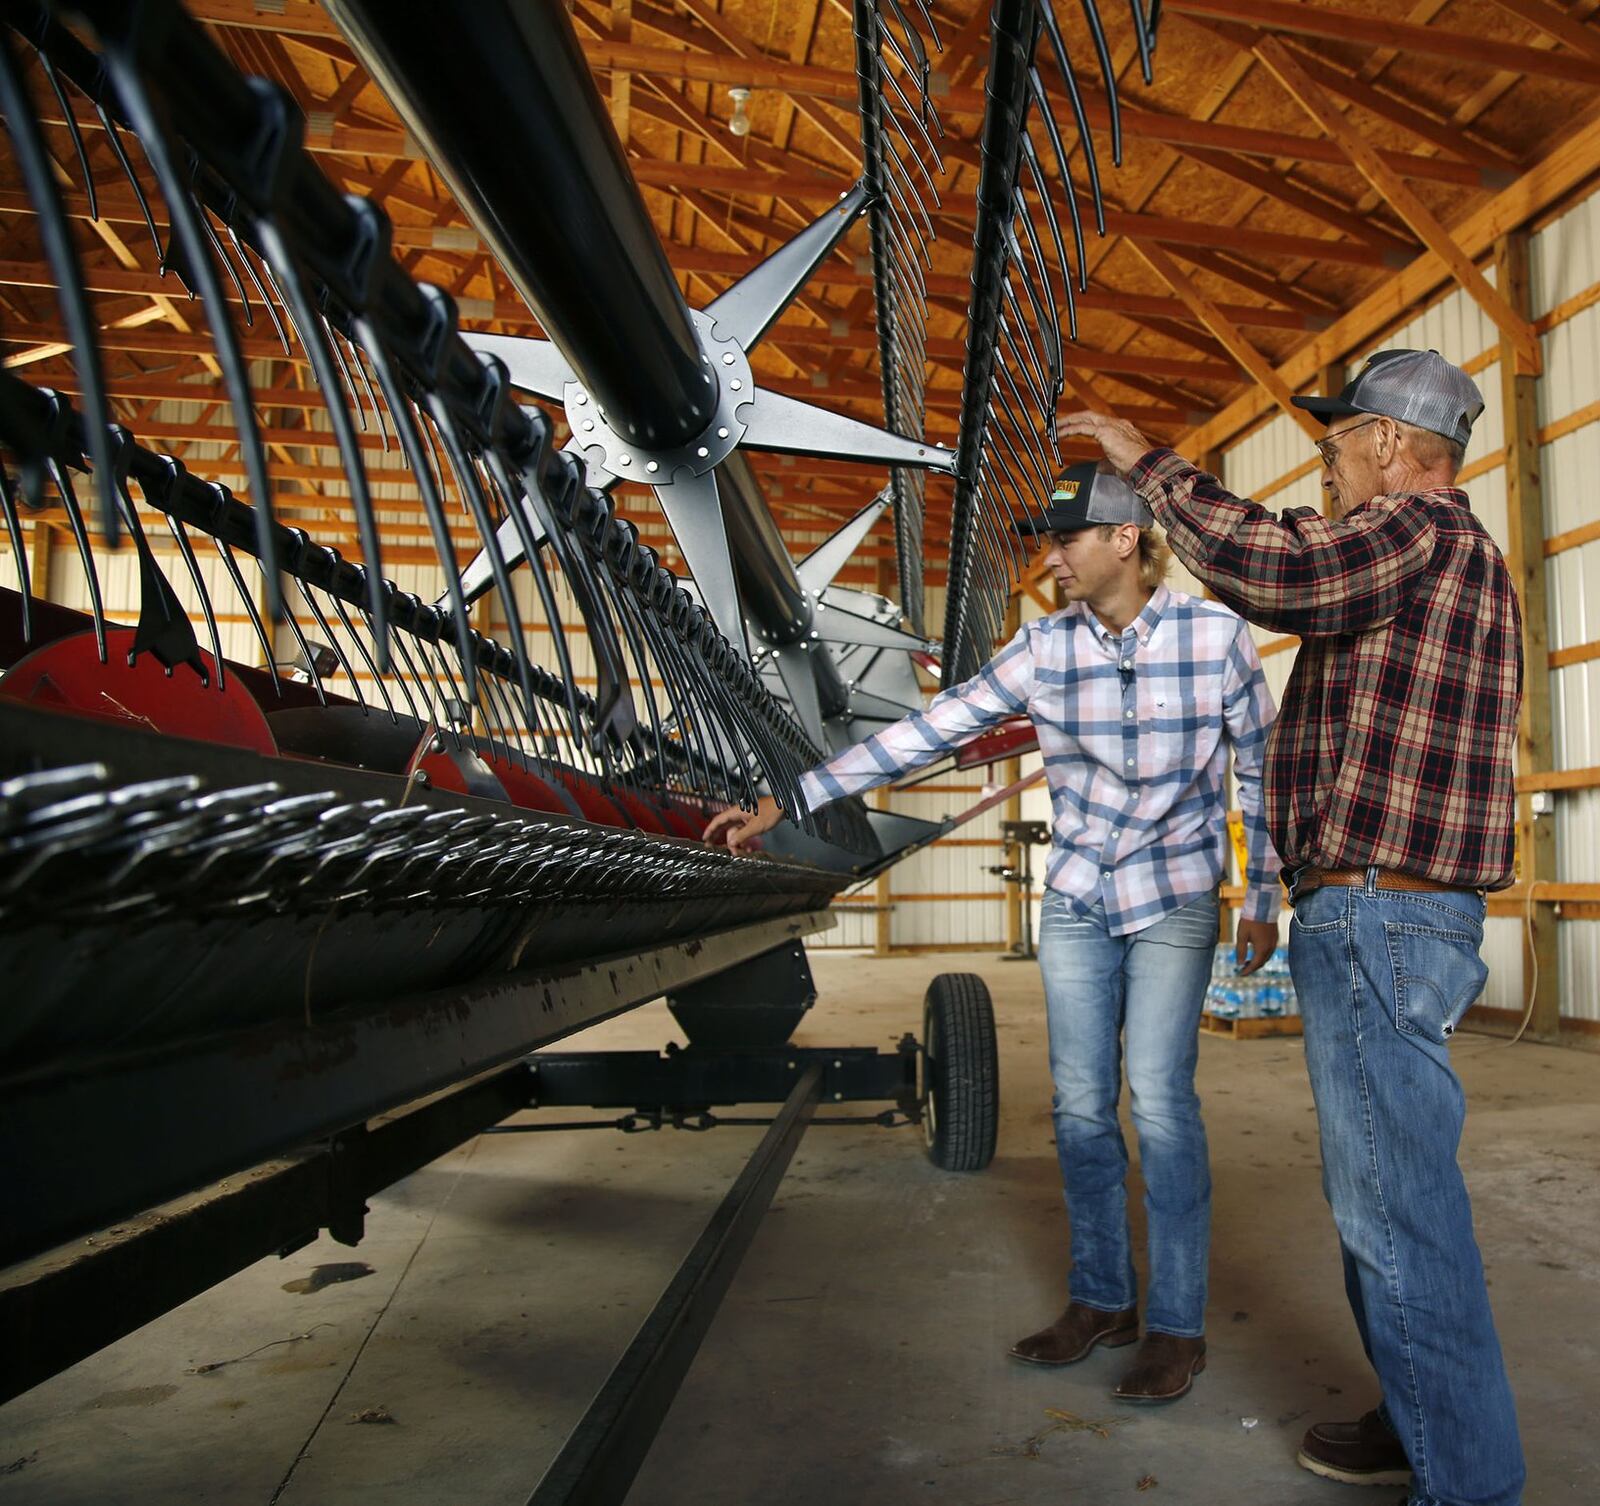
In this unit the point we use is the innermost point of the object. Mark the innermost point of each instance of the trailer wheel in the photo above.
(960, 1073)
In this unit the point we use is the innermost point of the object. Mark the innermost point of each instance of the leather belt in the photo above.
(1309, 879)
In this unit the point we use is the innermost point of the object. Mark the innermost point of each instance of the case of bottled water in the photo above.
(1265, 994)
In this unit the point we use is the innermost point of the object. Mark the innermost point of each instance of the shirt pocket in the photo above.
(1175, 718)
(1438, 975)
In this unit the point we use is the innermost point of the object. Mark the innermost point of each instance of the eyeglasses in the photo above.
(1328, 449)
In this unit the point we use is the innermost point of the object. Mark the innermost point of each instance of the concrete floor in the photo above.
(860, 1356)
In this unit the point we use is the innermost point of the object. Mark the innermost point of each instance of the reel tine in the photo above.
(185, 214)
(285, 273)
(232, 566)
(180, 536)
(72, 128)
(19, 552)
(33, 160)
(80, 536)
(248, 263)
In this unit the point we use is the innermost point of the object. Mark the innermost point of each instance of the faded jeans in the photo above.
(1383, 978)
(1141, 994)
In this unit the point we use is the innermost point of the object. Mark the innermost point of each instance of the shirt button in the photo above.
(1127, 663)
(1129, 712)
(1130, 763)
(1106, 873)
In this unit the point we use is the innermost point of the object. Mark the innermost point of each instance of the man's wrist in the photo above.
(1262, 902)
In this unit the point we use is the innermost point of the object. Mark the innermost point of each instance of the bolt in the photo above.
(702, 452)
(838, 1064)
(838, 1097)
(727, 358)
(791, 1066)
(651, 466)
(736, 384)
(421, 778)
(581, 399)
(626, 459)
(722, 433)
(588, 425)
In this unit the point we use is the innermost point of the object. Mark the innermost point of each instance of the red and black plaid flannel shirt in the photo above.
(1393, 745)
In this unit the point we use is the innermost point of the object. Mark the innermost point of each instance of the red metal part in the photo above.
(1006, 741)
(67, 675)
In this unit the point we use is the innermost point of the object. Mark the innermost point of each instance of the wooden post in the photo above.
(1536, 838)
(42, 552)
(1330, 383)
(883, 888)
(882, 895)
(1009, 772)
(481, 615)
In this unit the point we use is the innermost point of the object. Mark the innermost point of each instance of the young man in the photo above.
(1390, 796)
(1137, 693)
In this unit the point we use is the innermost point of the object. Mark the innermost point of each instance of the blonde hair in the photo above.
(1155, 559)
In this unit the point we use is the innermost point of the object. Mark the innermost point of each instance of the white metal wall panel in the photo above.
(1564, 262)
(1579, 950)
(1454, 326)
(1564, 257)
(1264, 456)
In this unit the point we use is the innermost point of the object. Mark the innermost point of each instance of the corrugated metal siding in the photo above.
(1563, 262)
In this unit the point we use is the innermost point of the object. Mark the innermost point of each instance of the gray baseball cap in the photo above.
(1415, 386)
(1084, 497)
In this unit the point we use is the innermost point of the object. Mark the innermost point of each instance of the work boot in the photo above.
(1075, 1333)
(1355, 1453)
(1163, 1370)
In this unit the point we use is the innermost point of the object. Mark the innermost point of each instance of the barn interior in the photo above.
(449, 454)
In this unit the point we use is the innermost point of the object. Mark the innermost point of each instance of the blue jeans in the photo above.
(1146, 989)
(1383, 977)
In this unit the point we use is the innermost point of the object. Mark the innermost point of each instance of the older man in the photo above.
(1389, 793)
(1138, 693)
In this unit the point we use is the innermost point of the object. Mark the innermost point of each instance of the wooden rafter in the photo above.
(1567, 165)
(1410, 208)
(1556, 24)
(1364, 29)
(1251, 359)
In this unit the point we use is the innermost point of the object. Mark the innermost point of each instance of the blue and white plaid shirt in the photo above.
(1134, 730)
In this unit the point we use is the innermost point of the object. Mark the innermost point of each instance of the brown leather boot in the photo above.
(1075, 1333)
(1163, 1370)
(1364, 1452)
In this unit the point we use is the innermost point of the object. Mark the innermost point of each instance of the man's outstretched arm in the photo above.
(954, 717)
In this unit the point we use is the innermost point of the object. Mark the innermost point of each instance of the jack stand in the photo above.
(1021, 837)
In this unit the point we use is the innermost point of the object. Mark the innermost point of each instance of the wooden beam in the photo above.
(461, 239)
(1287, 70)
(1443, 134)
(1341, 217)
(1368, 30)
(1565, 167)
(1251, 359)
(1139, 124)
(948, 352)
(1536, 838)
(1557, 25)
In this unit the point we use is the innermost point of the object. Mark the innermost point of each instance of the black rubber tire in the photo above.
(961, 1073)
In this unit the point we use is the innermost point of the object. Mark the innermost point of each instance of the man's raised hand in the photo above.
(1122, 444)
(737, 829)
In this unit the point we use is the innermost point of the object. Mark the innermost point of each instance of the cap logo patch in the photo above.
(1065, 491)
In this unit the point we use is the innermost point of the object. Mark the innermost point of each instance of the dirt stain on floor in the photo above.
(134, 1396)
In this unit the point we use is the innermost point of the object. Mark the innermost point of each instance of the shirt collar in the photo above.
(1141, 627)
